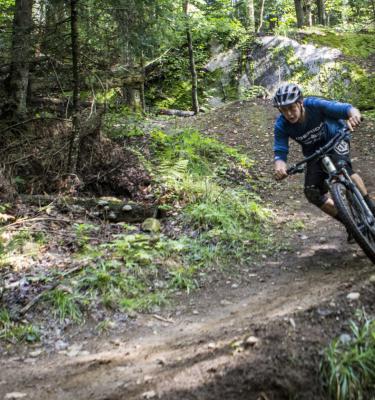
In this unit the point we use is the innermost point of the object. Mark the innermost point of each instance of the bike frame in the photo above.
(336, 174)
(343, 177)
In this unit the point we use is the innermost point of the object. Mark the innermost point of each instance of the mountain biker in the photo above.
(312, 122)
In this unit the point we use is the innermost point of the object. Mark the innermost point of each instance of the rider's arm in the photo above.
(354, 118)
(281, 148)
(329, 108)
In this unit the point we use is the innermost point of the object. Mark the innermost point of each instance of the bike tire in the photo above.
(350, 214)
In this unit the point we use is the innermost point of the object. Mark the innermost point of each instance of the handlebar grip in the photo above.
(295, 169)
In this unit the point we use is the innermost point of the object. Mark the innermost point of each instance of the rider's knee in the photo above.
(314, 195)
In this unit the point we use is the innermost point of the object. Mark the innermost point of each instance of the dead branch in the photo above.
(178, 113)
(107, 208)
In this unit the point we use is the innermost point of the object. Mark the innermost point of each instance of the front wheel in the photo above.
(354, 218)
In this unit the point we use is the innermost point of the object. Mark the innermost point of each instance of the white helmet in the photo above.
(286, 95)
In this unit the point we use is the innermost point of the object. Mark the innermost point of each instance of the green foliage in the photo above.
(183, 278)
(233, 219)
(137, 271)
(352, 44)
(192, 174)
(16, 332)
(83, 232)
(133, 266)
(296, 225)
(254, 92)
(120, 121)
(369, 114)
(205, 155)
(144, 303)
(348, 367)
(65, 303)
(177, 94)
(348, 82)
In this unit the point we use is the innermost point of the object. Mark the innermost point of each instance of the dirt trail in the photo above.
(293, 303)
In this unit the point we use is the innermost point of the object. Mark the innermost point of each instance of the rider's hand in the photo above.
(280, 170)
(354, 119)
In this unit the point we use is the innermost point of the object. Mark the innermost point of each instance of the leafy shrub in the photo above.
(348, 366)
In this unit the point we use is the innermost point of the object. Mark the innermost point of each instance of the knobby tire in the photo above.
(348, 213)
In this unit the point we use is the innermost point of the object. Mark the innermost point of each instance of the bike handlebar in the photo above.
(299, 166)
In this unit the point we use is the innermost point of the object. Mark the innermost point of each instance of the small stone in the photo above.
(251, 341)
(353, 296)
(195, 312)
(304, 237)
(234, 286)
(127, 207)
(324, 312)
(74, 350)
(15, 395)
(345, 338)
(225, 302)
(61, 345)
(36, 353)
(211, 345)
(149, 395)
(322, 240)
(112, 216)
(372, 279)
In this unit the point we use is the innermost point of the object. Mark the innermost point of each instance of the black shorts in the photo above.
(315, 175)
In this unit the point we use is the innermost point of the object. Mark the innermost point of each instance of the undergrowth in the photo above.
(348, 366)
(217, 223)
(15, 332)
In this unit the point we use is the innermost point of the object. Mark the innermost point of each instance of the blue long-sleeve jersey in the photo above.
(323, 118)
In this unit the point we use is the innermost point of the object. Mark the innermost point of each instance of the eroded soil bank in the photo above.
(257, 335)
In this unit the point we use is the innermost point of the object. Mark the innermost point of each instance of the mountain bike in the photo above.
(353, 211)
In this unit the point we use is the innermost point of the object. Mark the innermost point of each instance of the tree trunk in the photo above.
(344, 11)
(142, 85)
(321, 11)
(308, 13)
(299, 13)
(261, 15)
(250, 16)
(21, 53)
(193, 72)
(74, 142)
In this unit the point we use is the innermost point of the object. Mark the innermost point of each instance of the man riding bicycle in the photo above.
(312, 122)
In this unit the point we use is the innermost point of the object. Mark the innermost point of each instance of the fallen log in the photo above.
(178, 113)
(107, 208)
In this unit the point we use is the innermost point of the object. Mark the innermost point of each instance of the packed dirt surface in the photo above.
(258, 335)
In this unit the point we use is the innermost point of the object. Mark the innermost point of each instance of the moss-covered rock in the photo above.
(350, 43)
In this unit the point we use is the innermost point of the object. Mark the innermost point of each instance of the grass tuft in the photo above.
(348, 366)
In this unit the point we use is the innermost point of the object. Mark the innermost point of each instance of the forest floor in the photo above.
(259, 334)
